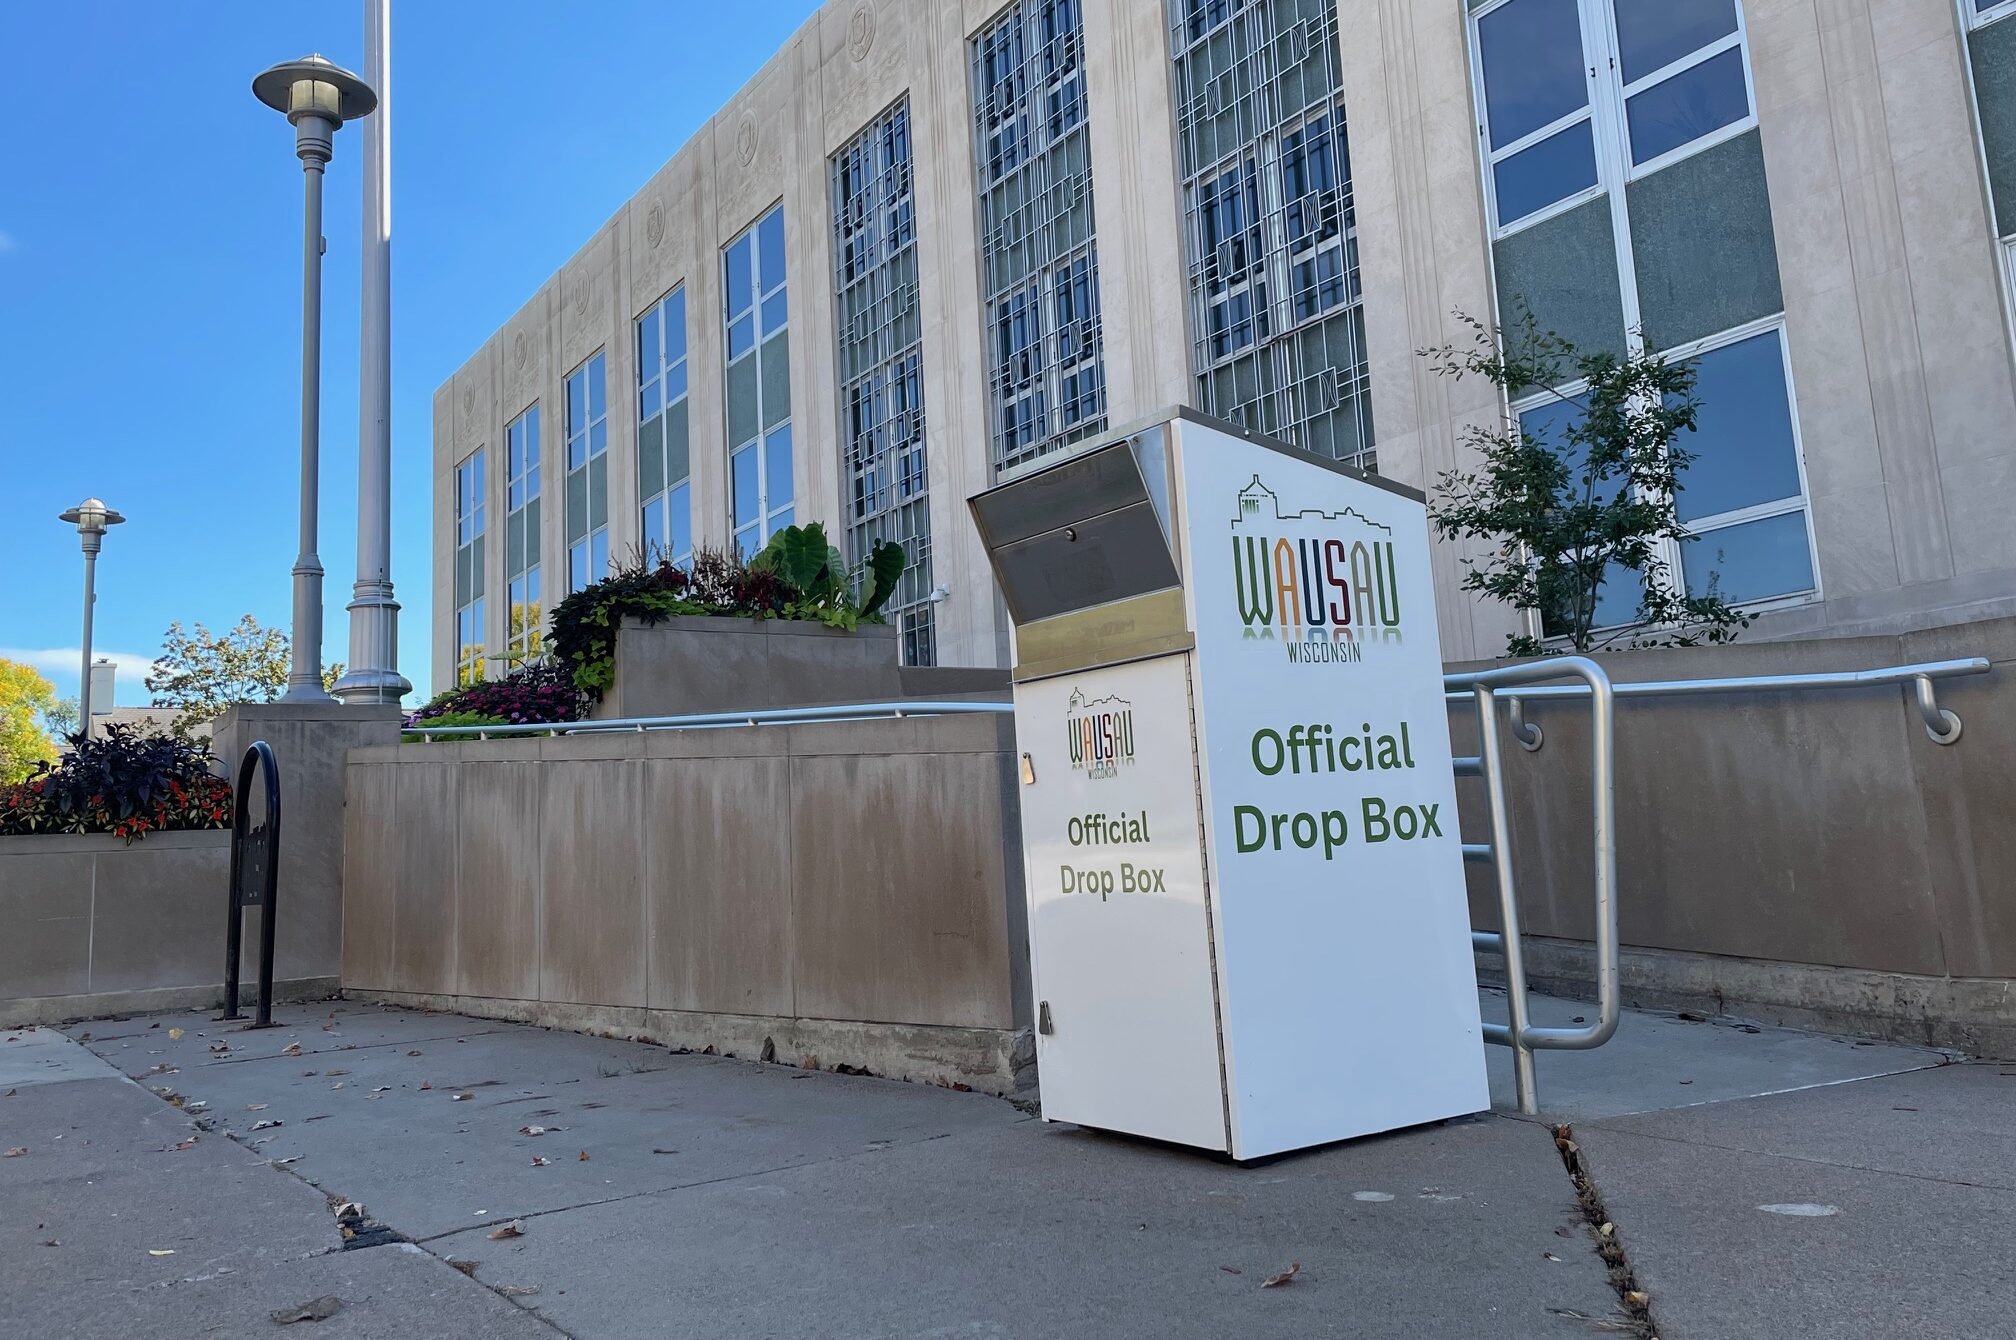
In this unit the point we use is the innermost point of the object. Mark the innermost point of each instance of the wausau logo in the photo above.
(1324, 583)
(1099, 734)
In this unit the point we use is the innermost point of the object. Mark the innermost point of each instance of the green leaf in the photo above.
(886, 562)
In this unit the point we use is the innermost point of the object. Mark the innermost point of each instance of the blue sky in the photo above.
(150, 275)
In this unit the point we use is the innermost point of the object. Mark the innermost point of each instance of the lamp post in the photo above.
(91, 517)
(374, 675)
(317, 97)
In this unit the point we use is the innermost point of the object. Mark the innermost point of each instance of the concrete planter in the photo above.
(699, 664)
(90, 926)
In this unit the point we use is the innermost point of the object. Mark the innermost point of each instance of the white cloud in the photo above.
(64, 661)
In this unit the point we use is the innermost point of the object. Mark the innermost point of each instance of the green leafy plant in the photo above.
(1595, 503)
(797, 575)
(451, 719)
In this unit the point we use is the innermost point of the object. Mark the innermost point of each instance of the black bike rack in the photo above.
(255, 873)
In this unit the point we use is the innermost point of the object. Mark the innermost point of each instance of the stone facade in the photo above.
(1891, 303)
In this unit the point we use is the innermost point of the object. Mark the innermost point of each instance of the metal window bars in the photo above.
(880, 336)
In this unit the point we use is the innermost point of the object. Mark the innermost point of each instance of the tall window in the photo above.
(1593, 103)
(664, 470)
(526, 636)
(469, 511)
(756, 315)
(1276, 321)
(587, 474)
(1039, 260)
(881, 348)
(1991, 56)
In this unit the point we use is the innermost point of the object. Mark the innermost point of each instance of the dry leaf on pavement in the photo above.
(291, 1049)
(461, 1097)
(517, 1290)
(539, 1130)
(265, 1123)
(414, 1052)
(539, 1162)
(466, 1267)
(175, 1034)
(583, 1158)
(1285, 1277)
(514, 1229)
(15, 1153)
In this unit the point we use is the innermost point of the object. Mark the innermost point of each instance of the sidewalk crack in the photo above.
(1632, 1296)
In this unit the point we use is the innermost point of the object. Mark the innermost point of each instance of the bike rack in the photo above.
(255, 873)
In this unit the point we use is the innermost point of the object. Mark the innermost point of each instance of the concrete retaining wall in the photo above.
(844, 890)
(90, 926)
(1790, 829)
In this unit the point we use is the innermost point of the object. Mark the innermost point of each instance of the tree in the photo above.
(60, 718)
(25, 698)
(1593, 500)
(201, 673)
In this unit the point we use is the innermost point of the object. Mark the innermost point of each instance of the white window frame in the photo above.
(1606, 109)
(1982, 18)
(662, 374)
(526, 586)
(590, 570)
(764, 523)
(1669, 552)
(471, 520)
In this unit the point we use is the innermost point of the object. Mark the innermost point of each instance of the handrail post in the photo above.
(1490, 752)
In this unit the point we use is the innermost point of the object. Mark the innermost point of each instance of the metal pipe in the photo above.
(90, 601)
(1518, 1032)
(720, 720)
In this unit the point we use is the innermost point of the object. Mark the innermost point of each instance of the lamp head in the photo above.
(315, 87)
(91, 517)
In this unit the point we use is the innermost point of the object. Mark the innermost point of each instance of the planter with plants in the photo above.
(126, 783)
(533, 694)
(796, 596)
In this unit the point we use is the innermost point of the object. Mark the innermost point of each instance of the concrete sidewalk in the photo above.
(681, 1195)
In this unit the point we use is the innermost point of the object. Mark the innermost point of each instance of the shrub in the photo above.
(539, 692)
(124, 783)
(798, 575)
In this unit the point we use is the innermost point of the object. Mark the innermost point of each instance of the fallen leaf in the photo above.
(319, 1309)
(539, 1162)
(514, 1229)
(1637, 1298)
(219, 1048)
(160, 1251)
(461, 1097)
(1549, 1256)
(255, 1107)
(308, 1074)
(426, 1084)
(337, 1085)
(281, 1163)
(517, 1290)
(265, 1123)
(350, 1209)
(1285, 1277)
(539, 1130)
(51, 1242)
(466, 1267)
(414, 1052)
(583, 1158)
(15, 1153)
(333, 1073)
(291, 1049)
(1607, 1229)
(175, 1034)
(10, 1093)
(190, 1143)
(1232, 1270)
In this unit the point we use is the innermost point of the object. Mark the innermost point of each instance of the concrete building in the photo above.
(933, 240)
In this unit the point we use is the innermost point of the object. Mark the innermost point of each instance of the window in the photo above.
(664, 467)
(525, 638)
(1039, 260)
(469, 512)
(587, 474)
(1671, 77)
(881, 365)
(1981, 13)
(755, 317)
(1276, 326)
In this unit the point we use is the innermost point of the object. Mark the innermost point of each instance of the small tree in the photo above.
(59, 718)
(201, 673)
(1596, 499)
(25, 700)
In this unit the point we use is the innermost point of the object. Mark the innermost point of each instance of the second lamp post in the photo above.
(317, 97)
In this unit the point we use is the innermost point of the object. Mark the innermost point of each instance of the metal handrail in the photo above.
(782, 716)
(1941, 724)
(1521, 1034)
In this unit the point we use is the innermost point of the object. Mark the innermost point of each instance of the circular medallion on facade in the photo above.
(468, 401)
(581, 295)
(520, 351)
(861, 31)
(745, 139)
(654, 224)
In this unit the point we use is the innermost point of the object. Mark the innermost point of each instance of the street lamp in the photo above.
(91, 517)
(317, 97)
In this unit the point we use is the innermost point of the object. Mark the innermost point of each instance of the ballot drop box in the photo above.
(1247, 922)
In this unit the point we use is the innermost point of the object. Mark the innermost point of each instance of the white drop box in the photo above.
(1248, 929)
